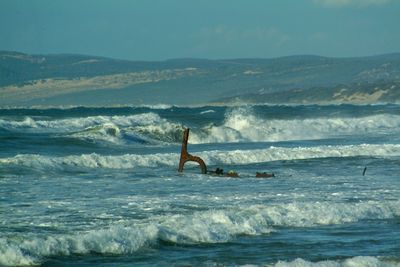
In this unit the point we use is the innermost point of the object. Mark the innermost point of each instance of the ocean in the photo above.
(99, 186)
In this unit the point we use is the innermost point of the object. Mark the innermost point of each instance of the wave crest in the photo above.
(212, 226)
(242, 124)
(235, 157)
(359, 261)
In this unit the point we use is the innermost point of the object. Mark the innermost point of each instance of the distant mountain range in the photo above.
(63, 79)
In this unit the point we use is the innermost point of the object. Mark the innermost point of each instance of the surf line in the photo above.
(185, 157)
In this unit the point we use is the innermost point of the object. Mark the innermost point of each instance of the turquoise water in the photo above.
(100, 187)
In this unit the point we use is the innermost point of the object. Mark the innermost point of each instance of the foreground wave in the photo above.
(213, 226)
(360, 261)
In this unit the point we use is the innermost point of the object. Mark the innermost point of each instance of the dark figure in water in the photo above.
(264, 175)
(219, 171)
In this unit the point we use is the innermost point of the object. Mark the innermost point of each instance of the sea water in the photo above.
(99, 186)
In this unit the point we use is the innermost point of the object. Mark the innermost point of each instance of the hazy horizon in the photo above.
(161, 30)
(199, 58)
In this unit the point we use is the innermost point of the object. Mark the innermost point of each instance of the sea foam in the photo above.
(212, 226)
(234, 157)
(242, 124)
(360, 261)
(143, 128)
(78, 123)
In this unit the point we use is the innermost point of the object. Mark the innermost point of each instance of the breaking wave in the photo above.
(240, 124)
(108, 132)
(235, 157)
(213, 226)
(360, 261)
(77, 124)
(140, 128)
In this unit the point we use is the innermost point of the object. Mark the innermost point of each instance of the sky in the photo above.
(214, 29)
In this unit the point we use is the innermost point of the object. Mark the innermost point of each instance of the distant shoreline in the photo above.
(79, 80)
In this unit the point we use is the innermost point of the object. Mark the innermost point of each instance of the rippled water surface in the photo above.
(100, 187)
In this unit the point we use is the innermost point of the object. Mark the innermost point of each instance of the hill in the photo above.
(357, 93)
(88, 80)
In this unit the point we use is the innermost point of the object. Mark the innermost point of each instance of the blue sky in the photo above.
(214, 29)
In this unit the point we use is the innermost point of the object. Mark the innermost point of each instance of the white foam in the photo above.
(215, 226)
(79, 124)
(93, 160)
(304, 214)
(162, 130)
(12, 255)
(149, 127)
(157, 106)
(208, 227)
(243, 125)
(235, 157)
(212, 226)
(207, 111)
(287, 153)
(360, 261)
(114, 240)
(108, 132)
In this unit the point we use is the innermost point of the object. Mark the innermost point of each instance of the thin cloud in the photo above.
(225, 34)
(347, 3)
(222, 41)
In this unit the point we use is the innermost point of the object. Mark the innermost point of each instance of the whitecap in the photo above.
(359, 261)
(212, 226)
(242, 124)
(215, 157)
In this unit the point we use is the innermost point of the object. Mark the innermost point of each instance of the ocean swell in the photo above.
(244, 125)
(212, 226)
(360, 261)
(234, 157)
(240, 124)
